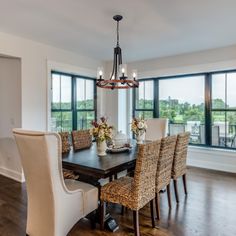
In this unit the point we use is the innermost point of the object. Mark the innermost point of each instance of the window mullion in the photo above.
(156, 112)
(208, 117)
(74, 103)
(95, 100)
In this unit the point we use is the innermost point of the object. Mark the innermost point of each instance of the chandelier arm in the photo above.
(102, 83)
(116, 75)
(120, 57)
(113, 69)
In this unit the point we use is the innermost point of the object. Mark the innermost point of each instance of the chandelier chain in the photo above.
(117, 34)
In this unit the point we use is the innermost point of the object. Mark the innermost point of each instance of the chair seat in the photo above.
(178, 173)
(90, 193)
(120, 191)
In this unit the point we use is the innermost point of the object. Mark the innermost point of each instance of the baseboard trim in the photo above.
(222, 160)
(18, 176)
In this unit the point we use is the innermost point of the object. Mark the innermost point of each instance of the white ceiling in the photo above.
(150, 28)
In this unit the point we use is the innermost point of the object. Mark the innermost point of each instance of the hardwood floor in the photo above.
(208, 210)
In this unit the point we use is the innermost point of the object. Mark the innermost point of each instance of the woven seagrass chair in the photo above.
(65, 147)
(179, 163)
(65, 143)
(164, 167)
(135, 192)
(81, 139)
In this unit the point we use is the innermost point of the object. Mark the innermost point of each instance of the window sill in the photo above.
(211, 150)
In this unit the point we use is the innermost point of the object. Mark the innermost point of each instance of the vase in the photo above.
(140, 137)
(101, 148)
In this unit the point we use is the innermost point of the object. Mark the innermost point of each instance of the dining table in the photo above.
(92, 168)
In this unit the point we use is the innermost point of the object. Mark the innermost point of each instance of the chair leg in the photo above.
(122, 210)
(92, 218)
(185, 184)
(176, 191)
(136, 223)
(110, 178)
(157, 201)
(152, 213)
(102, 214)
(169, 195)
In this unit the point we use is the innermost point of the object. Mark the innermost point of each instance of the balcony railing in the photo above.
(224, 136)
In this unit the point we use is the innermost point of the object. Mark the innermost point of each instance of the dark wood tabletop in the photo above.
(86, 162)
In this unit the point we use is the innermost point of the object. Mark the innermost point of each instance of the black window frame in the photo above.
(207, 101)
(225, 110)
(134, 99)
(74, 109)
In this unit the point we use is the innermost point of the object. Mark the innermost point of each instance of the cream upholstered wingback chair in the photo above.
(156, 128)
(54, 206)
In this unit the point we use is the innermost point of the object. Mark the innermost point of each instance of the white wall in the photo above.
(10, 95)
(115, 104)
(36, 61)
(34, 74)
(10, 107)
(205, 61)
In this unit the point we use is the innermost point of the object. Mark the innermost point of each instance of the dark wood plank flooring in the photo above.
(208, 210)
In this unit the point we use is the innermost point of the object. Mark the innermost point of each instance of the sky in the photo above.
(188, 89)
(84, 89)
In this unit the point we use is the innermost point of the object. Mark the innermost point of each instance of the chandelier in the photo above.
(118, 78)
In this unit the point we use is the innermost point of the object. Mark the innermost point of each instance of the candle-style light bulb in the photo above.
(134, 74)
(100, 73)
(123, 71)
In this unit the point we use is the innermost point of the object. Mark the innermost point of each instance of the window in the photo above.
(84, 103)
(203, 104)
(181, 100)
(223, 112)
(73, 104)
(144, 100)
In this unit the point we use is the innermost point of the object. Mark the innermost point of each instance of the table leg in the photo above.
(101, 214)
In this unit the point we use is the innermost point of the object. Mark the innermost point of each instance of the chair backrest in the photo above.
(202, 134)
(193, 127)
(175, 129)
(81, 139)
(145, 172)
(164, 165)
(180, 156)
(156, 128)
(65, 143)
(223, 127)
(41, 160)
(215, 135)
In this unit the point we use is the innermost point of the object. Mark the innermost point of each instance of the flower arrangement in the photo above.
(101, 131)
(138, 126)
